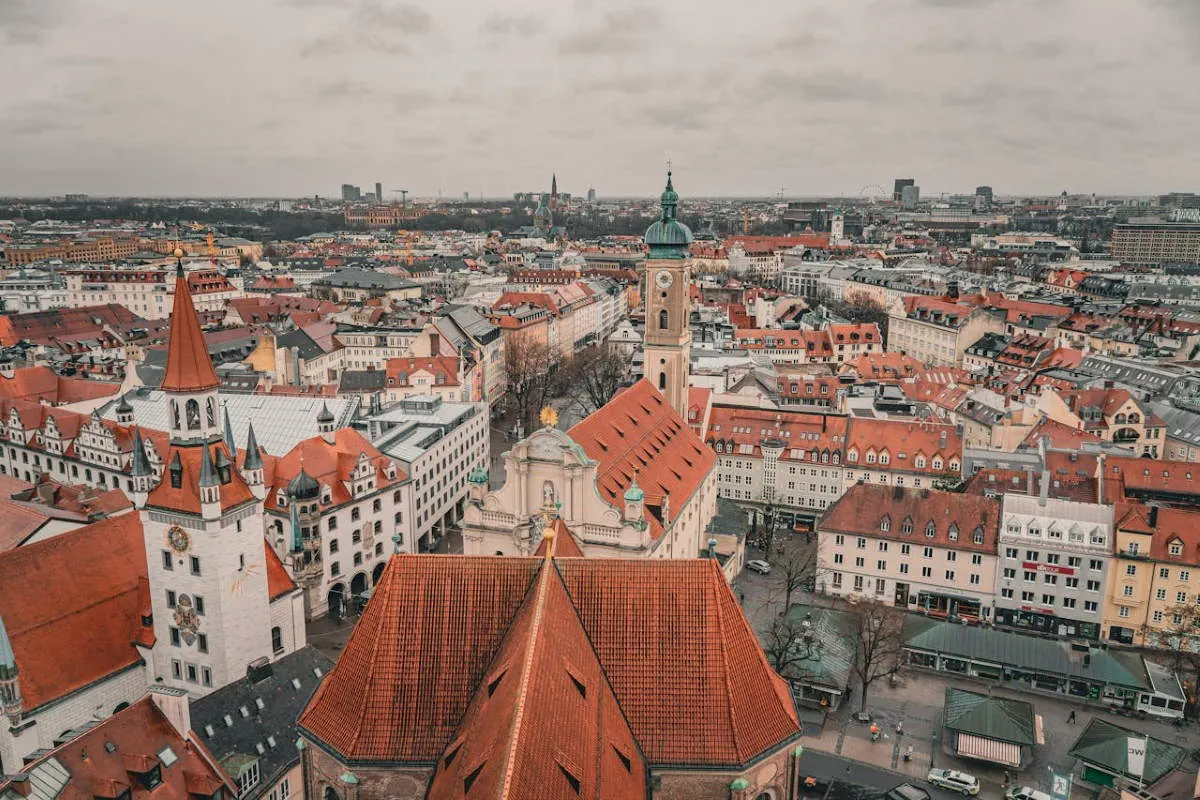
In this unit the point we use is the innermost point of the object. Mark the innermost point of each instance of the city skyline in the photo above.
(295, 97)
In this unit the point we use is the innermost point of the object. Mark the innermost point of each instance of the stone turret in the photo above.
(10, 680)
(326, 424)
(252, 465)
(635, 505)
(140, 471)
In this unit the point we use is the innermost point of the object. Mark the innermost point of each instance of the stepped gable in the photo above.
(637, 433)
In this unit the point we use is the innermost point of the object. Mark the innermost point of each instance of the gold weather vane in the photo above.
(549, 417)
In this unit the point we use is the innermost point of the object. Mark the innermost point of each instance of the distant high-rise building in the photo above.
(351, 193)
(1179, 200)
(983, 198)
(910, 195)
(553, 193)
(591, 195)
(378, 192)
(898, 189)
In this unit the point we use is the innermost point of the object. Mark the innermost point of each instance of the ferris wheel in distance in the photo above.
(872, 193)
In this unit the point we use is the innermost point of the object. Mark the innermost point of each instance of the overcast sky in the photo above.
(295, 97)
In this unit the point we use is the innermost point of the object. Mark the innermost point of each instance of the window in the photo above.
(976, 559)
(202, 642)
(1068, 602)
(1074, 561)
(194, 562)
(974, 579)
(860, 562)
(1006, 593)
(1090, 605)
(1052, 558)
(333, 523)
(1027, 597)
(839, 540)
(1127, 590)
(1010, 573)
(167, 562)
(838, 558)
(1050, 579)
(1131, 570)
(1095, 564)
(881, 566)
(1047, 599)
(949, 574)
(335, 568)
(926, 572)
(170, 599)
(1123, 611)
(1093, 586)
(277, 639)
(1158, 616)
(927, 552)
(333, 546)
(1030, 577)
(199, 602)
(837, 580)
(1072, 583)
(858, 583)
(1031, 555)
(861, 544)
(355, 514)
(930, 530)
(1011, 552)
(1184, 575)
(177, 669)
(248, 779)
(1161, 594)
(1175, 549)
(883, 547)
(903, 568)
(174, 633)
(952, 555)
(905, 549)
(1181, 597)
(192, 674)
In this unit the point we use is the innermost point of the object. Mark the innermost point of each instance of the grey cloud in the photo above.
(406, 18)
(28, 21)
(618, 30)
(501, 24)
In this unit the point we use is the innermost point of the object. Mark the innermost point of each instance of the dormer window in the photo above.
(930, 530)
(885, 524)
(1175, 548)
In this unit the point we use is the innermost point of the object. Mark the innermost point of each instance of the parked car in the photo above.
(954, 780)
(906, 791)
(759, 566)
(1026, 793)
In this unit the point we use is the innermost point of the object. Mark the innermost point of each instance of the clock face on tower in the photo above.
(664, 279)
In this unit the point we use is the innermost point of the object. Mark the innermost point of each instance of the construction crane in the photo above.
(403, 197)
(745, 221)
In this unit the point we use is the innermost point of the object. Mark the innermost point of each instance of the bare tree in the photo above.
(798, 566)
(878, 632)
(527, 365)
(593, 375)
(785, 647)
(1177, 640)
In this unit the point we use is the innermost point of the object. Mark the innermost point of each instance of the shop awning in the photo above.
(989, 750)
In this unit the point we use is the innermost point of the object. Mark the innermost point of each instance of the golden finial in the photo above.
(548, 538)
(178, 253)
(549, 417)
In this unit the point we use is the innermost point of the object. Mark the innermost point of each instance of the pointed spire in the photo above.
(229, 442)
(189, 366)
(208, 475)
(176, 470)
(141, 464)
(253, 457)
(326, 415)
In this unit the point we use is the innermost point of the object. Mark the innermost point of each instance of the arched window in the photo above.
(175, 413)
(277, 639)
(192, 412)
(212, 412)
(662, 381)
(663, 320)
(330, 794)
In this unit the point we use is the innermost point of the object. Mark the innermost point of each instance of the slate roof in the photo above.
(998, 718)
(264, 713)
(681, 659)
(304, 344)
(362, 380)
(1105, 745)
(367, 279)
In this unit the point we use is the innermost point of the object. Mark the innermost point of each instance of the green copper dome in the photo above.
(634, 494)
(478, 475)
(668, 237)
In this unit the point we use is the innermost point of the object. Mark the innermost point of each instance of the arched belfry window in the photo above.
(212, 412)
(175, 414)
(663, 320)
(192, 411)
(662, 381)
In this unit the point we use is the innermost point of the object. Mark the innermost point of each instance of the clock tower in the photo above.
(202, 525)
(668, 337)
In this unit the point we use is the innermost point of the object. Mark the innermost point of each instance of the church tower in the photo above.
(668, 303)
(203, 529)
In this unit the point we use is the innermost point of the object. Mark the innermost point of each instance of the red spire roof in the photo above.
(189, 367)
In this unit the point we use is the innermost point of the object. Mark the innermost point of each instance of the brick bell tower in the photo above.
(668, 338)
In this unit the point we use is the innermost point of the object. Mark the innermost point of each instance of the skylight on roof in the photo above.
(167, 756)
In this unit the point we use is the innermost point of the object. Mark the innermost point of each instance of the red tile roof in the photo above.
(903, 441)
(42, 384)
(98, 762)
(682, 661)
(330, 463)
(187, 496)
(564, 543)
(804, 436)
(895, 512)
(95, 615)
(886, 366)
(637, 433)
(44, 327)
(400, 371)
(189, 366)
(1159, 478)
(543, 722)
(279, 582)
(1058, 435)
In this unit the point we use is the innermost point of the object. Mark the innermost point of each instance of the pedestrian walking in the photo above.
(1007, 777)
(1071, 718)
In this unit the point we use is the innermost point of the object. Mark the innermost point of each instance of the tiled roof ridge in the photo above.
(534, 640)
(733, 723)
(374, 661)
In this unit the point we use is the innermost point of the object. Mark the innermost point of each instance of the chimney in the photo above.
(259, 669)
(1044, 493)
(712, 548)
(1028, 482)
(435, 344)
(1100, 479)
(173, 703)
